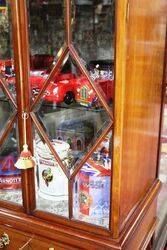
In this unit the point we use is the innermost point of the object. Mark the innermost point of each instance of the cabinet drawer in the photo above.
(23, 241)
(16, 238)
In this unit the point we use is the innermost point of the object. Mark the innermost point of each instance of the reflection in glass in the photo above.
(5, 31)
(47, 38)
(6, 110)
(92, 187)
(47, 34)
(6, 46)
(51, 182)
(10, 176)
(70, 110)
(93, 33)
(93, 38)
(162, 175)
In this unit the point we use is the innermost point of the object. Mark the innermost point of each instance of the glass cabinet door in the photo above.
(72, 95)
(71, 80)
(10, 176)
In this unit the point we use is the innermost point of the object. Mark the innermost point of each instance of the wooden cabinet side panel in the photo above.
(145, 231)
(146, 26)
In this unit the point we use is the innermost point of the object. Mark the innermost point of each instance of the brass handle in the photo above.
(4, 240)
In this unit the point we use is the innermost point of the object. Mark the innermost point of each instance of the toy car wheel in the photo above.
(69, 98)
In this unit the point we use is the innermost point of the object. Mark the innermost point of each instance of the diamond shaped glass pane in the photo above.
(93, 36)
(10, 176)
(71, 112)
(47, 34)
(6, 46)
(91, 190)
(6, 110)
(51, 182)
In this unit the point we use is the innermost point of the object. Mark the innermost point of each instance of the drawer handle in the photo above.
(4, 240)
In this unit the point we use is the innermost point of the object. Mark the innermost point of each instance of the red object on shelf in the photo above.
(62, 89)
(39, 61)
(65, 87)
(86, 96)
(69, 88)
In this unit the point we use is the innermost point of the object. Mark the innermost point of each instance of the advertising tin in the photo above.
(52, 182)
(93, 184)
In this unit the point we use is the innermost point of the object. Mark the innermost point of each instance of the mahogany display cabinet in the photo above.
(81, 84)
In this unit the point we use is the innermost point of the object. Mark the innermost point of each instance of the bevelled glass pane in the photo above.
(70, 111)
(6, 110)
(6, 47)
(46, 33)
(51, 182)
(10, 176)
(91, 190)
(93, 36)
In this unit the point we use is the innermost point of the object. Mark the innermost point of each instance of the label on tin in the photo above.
(10, 177)
(94, 194)
(61, 147)
(52, 180)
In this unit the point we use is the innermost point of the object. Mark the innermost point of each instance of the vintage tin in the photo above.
(52, 182)
(10, 176)
(93, 188)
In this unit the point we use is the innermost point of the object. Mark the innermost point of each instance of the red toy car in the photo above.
(69, 88)
(62, 89)
(78, 89)
(66, 87)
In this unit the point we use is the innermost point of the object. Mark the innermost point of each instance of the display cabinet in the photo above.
(81, 85)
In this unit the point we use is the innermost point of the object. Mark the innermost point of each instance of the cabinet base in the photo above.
(136, 235)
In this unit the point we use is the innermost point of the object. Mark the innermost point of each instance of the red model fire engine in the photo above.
(78, 89)
(62, 89)
(86, 96)
(68, 88)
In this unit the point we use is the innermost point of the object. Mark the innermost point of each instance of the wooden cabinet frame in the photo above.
(124, 224)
